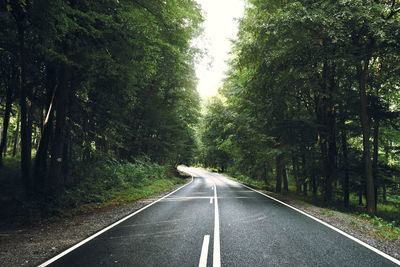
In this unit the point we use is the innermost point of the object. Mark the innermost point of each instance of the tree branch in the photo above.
(392, 13)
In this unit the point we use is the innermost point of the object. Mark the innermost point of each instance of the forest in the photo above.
(311, 103)
(94, 95)
(98, 98)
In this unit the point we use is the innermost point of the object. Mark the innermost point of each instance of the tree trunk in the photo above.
(6, 121)
(346, 181)
(278, 187)
(45, 137)
(55, 174)
(332, 148)
(15, 145)
(304, 173)
(384, 193)
(305, 188)
(265, 174)
(375, 159)
(326, 116)
(26, 126)
(285, 179)
(365, 125)
(67, 155)
(296, 175)
(331, 171)
(314, 187)
(384, 182)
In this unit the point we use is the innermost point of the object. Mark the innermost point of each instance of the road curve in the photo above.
(213, 221)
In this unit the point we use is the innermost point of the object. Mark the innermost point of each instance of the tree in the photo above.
(300, 70)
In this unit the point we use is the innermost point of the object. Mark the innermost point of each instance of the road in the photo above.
(213, 221)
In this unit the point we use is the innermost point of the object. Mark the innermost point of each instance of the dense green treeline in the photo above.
(313, 93)
(81, 79)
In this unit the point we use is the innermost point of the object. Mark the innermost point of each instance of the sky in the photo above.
(219, 27)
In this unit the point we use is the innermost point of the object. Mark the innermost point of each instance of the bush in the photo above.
(100, 178)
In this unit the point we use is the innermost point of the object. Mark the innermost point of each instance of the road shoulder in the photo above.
(350, 224)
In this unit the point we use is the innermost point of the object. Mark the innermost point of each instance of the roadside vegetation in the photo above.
(97, 101)
(102, 183)
(310, 106)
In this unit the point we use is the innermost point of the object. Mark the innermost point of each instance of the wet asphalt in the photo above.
(253, 231)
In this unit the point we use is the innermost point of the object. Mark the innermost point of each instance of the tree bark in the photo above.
(384, 182)
(6, 121)
(304, 173)
(314, 187)
(15, 145)
(265, 174)
(55, 174)
(285, 179)
(331, 122)
(44, 140)
(346, 180)
(296, 175)
(375, 159)
(384, 193)
(26, 121)
(278, 187)
(365, 125)
(331, 168)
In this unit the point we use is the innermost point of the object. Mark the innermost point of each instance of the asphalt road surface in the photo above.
(213, 221)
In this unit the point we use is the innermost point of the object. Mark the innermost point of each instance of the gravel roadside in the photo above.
(32, 245)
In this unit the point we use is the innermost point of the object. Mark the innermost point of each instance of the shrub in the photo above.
(99, 178)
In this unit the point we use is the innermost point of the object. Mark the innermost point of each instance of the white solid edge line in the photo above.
(204, 251)
(383, 254)
(65, 252)
(216, 253)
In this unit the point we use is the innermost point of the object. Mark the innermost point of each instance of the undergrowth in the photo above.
(108, 182)
(96, 184)
(387, 230)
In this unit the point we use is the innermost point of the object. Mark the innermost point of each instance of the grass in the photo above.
(387, 230)
(123, 196)
(327, 212)
(354, 223)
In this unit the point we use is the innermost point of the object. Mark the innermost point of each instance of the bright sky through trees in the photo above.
(219, 27)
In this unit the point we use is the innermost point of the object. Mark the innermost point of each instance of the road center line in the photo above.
(204, 251)
(211, 200)
(216, 254)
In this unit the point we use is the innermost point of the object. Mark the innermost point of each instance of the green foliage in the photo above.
(104, 77)
(291, 101)
(387, 230)
(102, 182)
(102, 178)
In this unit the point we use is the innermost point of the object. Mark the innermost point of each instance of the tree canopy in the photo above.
(312, 90)
(84, 77)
